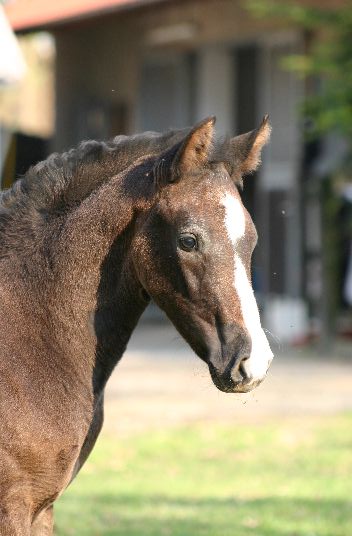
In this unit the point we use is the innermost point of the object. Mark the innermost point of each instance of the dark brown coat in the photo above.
(85, 239)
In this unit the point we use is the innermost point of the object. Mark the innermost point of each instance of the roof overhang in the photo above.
(25, 15)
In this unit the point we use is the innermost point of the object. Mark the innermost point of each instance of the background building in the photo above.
(126, 65)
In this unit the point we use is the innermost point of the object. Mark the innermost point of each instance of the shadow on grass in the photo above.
(133, 515)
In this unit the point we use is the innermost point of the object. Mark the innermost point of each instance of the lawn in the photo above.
(282, 478)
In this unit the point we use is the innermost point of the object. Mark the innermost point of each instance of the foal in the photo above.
(87, 238)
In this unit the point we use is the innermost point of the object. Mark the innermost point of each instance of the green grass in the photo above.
(287, 478)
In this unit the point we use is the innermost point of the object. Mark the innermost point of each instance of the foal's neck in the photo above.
(97, 284)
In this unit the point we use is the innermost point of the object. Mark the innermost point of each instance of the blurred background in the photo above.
(80, 69)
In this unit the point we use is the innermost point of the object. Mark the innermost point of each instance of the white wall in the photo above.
(215, 93)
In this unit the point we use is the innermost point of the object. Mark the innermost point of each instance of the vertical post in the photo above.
(330, 257)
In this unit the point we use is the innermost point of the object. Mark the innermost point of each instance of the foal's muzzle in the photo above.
(243, 372)
(233, 381)
(238, 361)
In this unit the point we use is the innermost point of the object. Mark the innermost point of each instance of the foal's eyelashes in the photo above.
(188, 242)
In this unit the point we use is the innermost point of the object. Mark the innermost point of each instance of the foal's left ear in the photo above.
(195, 149)
(246, 148)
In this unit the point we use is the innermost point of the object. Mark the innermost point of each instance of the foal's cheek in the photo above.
(146, 266)
(141, 260)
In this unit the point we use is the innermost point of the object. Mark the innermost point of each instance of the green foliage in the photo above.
(275, 479)
(328, 61)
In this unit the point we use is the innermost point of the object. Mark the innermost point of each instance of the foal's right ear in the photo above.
(246, 148)
(194, 151)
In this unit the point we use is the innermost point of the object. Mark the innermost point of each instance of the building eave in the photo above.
(27, 15)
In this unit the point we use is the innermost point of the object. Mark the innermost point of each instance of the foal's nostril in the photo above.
(236, 375)
(242, 370)
(238, 371)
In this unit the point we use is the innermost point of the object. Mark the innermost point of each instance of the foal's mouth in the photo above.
(233, 381)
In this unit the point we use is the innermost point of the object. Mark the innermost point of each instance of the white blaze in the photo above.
(261, 354)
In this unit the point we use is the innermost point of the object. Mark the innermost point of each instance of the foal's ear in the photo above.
(194, 150)
(246, 148)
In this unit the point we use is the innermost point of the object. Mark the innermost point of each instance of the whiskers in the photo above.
(274, 338)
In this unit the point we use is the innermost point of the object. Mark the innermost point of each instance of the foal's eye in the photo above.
(187, 242)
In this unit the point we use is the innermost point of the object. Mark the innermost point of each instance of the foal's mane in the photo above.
(62, 181)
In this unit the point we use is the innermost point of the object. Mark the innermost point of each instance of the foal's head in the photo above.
(193, 253)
